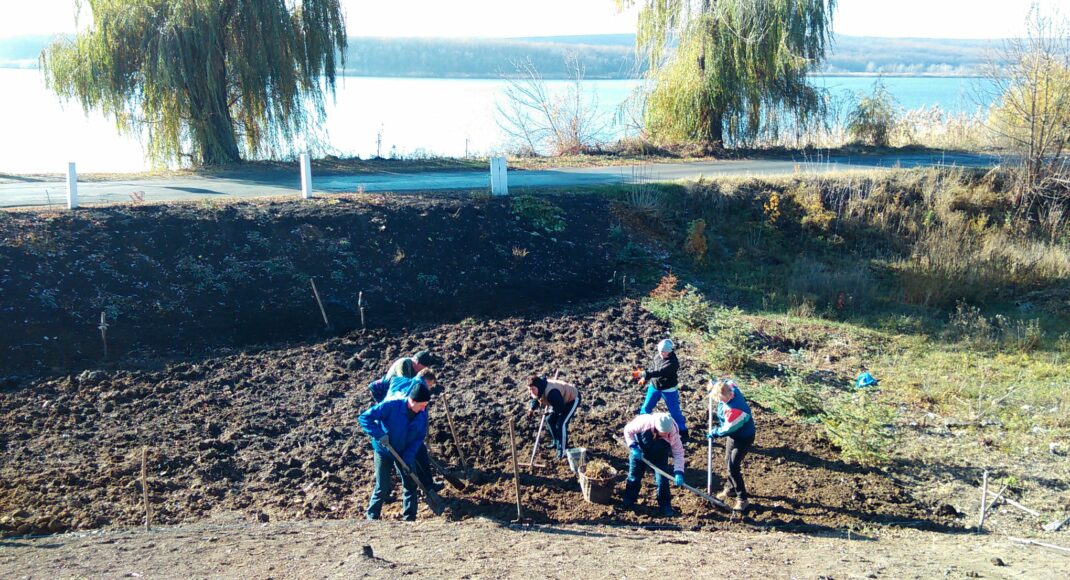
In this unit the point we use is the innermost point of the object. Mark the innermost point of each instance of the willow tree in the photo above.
(731, 69)
(207, 80)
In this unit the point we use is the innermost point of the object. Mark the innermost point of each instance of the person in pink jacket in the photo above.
(654, 437)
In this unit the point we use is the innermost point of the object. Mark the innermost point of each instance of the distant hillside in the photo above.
(605, 56)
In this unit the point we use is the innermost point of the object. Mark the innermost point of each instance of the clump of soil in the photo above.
(599, 470)
(274, 434)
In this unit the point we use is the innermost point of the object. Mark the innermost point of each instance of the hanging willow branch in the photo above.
(209, 80)
(731, 69)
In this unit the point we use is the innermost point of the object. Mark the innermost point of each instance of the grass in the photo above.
(929, 278)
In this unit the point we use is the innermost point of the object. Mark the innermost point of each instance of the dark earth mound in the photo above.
(273, 434)
(189, 277)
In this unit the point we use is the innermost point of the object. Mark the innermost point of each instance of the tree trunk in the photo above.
(715, 129)
(213, 126)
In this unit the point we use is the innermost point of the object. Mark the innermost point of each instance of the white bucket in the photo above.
(577, 458)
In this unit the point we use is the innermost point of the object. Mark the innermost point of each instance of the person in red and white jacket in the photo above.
(736, 425)
(654, 437)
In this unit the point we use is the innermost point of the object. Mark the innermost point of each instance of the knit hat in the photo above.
(425, 358)
(420, 393)
(664, 423)
(665, 346)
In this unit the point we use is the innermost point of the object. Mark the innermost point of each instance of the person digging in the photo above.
(407, 367)
(653, 437)
(562, 399)
(401, 388)
(736, 425)
(401, 423)
(661, 383)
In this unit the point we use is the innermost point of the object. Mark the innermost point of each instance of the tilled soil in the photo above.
(273, 434)
(188, 278)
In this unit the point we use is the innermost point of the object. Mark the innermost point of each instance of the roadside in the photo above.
(283, 179)
(231, 547)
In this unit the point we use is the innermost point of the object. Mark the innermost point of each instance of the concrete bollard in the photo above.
(72, 186)
(499, 178)
(306, 176)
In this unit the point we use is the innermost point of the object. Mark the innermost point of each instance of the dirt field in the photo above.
(187, 278)
(273, 434)
(486, 549)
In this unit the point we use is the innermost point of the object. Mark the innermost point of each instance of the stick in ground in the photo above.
(516, 469)
(320, 303)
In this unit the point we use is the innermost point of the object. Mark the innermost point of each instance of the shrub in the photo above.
(857, 424)
(539, 212)
(791, 396)
(685, 309)
(728, 340)
(696, 244)
(873, 117)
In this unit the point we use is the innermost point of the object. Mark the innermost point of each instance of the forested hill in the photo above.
(602, 56)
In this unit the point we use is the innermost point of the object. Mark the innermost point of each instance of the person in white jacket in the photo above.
(655, 437)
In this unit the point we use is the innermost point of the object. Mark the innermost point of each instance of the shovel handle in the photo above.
(433, 501)
(693, 490)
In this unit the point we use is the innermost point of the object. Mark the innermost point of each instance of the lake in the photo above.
(412, 117)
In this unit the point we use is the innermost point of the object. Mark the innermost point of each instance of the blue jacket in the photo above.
(392, 418)
(735, 417)
(400, 387)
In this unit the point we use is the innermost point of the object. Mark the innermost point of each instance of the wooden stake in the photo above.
(1036, 543)
(320, 302)
(997, 498)
(104, 333)
(516, 469)
(456, 440)
(709, 443)
(984, 500)
(145, 486)
(1033, 513)
(360, 304)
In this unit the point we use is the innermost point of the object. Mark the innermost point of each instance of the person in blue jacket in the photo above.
(662, 383)
(403, 424)
(400, 388)
(736, 425)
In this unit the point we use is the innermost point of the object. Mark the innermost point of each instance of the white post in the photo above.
(306, 176)
(499, 180)
(72, 186)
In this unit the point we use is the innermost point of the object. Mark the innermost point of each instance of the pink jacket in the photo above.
(647, 423)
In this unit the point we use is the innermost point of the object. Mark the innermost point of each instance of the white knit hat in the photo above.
(665, 346)
(663, 423)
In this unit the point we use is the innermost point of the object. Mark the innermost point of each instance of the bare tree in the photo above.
(1031, 79)
(561, 124)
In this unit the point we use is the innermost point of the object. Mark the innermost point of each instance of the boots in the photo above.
(741, 504)
(723, 495)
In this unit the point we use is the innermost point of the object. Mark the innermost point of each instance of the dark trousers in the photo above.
(422, 467)
(385, 466)
(735, 449)
(658, 453)
(559, 426)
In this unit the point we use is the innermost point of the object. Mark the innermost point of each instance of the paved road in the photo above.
(41, 193)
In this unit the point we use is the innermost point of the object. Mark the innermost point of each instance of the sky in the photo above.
(513, 18)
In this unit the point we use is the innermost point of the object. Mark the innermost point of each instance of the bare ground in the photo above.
(486, 549)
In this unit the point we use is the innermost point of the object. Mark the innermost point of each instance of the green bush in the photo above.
(858, 425)
(790, 396)
(685, 310)
(873, 117)
(539, 212)
(728, 339)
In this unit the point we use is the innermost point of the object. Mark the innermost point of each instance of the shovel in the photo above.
(433, 500)
(716, 502)
(535, 448)
(445, 473)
